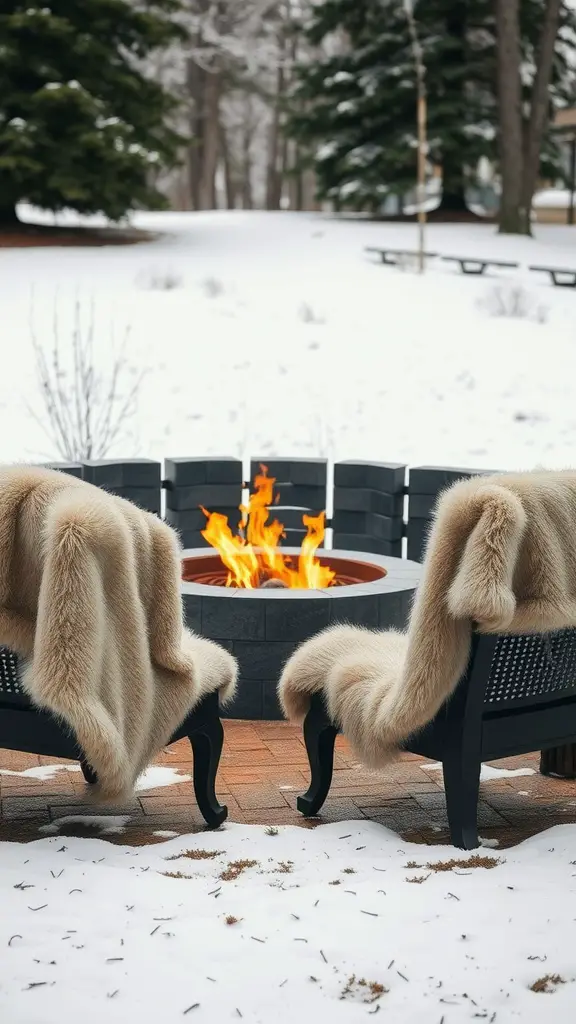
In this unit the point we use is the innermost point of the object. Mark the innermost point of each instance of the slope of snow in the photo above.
(95, 932)
(282, 336)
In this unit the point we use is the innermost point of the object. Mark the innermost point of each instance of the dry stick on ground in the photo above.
(85, 409)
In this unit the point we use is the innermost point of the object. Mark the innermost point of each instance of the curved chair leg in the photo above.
(319, 737)
(462, 786)
(88, 773)
(207, 740)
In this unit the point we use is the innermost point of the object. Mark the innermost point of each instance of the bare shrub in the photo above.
(308, 315)
(159, 280)
(515, 302)
(87, 406)
(212, 287)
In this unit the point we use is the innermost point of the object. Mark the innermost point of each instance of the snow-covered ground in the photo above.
(283, 337)
(331, 924)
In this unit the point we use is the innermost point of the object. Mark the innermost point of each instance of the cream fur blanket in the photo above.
(501, 556)
(90, 599)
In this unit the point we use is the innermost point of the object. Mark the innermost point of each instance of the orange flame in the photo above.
(254, 555)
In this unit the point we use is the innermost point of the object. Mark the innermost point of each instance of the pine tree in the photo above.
(356, 104)
(81, 125)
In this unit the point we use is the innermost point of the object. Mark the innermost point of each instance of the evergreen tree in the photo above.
(356, 104)
(81, 124)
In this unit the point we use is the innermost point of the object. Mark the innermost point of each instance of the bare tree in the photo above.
(86, 409)
(418, 56)
(521, 138)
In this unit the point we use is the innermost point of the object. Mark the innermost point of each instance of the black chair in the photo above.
(517, 695)
(25, 727)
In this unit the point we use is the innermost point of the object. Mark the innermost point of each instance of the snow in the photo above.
(552, 198)
(107, 824)
(392, 366)
(96, 932)
(42, 772)
(488, 772)
(155, 777)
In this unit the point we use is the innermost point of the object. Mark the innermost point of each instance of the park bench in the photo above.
(26, 727)
(478, 266)
(517, 695)
(391, 257)
(561, 277)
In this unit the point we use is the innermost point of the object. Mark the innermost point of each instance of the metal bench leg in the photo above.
(462, 786)
(207, 742)
(319, 737)
(88, 773)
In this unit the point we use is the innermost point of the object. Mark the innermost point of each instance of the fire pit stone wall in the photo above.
(263, 627)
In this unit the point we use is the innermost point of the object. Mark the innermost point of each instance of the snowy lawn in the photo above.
(276, 334)
(288, 924)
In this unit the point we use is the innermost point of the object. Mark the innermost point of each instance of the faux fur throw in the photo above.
(501, 556)
(90, 599)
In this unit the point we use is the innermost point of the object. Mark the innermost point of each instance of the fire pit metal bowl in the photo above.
(263, 627)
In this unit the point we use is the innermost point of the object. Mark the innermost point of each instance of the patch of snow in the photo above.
(487, 772)
(490, 844)
(42, 772)
(552, 198)
(112, 938)
(165, 834)
(158, 776)
(108, 824)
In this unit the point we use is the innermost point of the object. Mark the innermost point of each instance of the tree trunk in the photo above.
(539, 106)
(453, 175)
(559, 761)
(229, 179)
(211, 141)
(8, 215)
(512, 219)
(195, 83)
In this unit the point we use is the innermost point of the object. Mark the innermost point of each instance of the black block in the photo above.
(305, 472)
(192, 539)
(369, 524)
(113, 474)
(271, 710)
(433, 479)
(362, 499)
(264, 659)
(70, 468)
(421, 506)
(356, 542)
(193, 519)
(299, 496)
(394, 609)
(298, 617)
(192, 605)
(148, 498)
(361, 610)
(233, 616)
(417, 533)
(290, 517)
(387, 477)
(209, 495)
(247, 702)
(185, 472)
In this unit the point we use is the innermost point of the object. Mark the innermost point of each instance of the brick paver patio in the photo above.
(263, 769)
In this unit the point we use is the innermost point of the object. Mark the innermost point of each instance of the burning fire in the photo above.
(253, 556)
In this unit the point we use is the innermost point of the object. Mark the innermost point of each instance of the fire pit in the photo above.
(261, 600)
(263, 626)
